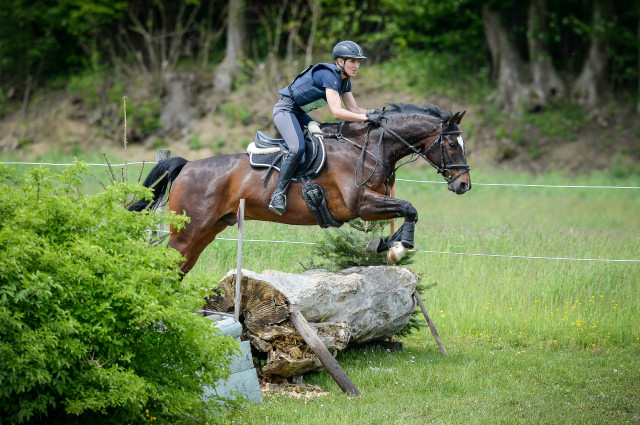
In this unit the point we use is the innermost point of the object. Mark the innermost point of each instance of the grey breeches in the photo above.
(290, 121)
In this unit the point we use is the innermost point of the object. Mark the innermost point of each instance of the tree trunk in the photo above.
(586, 90)
(546, 85)
(352, 306)
(508, 69)
(316, 10)
(227, 70)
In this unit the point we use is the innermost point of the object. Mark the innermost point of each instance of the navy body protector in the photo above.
(306, 94)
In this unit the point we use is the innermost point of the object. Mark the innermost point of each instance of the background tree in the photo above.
(227, 71)
(543, 52)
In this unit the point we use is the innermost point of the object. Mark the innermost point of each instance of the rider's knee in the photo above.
(297, 153)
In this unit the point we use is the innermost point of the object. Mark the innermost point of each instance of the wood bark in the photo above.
(508, 68)
(227, 70)
(546, 85)
(432, 326)
(586, 90)
(316, 10)
(318, 348)
(352, 306)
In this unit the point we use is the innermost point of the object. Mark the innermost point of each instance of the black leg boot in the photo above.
(278, 202)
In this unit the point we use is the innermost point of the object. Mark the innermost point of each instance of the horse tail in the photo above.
(160, 178)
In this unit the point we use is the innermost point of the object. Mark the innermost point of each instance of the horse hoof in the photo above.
(372, 246)
(396, 252)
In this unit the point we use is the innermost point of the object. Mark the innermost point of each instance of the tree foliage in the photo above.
(52, 39)
(95, 324)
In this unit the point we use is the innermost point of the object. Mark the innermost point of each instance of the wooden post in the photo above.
(328, 361)
(238, 298)
(434, 331)
(160, 155)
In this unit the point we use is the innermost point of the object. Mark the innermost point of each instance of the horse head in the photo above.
(435, 136)
(453, 159)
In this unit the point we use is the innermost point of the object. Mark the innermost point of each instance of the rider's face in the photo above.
(350, 65)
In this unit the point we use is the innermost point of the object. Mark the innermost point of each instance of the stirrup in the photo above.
(277, 209)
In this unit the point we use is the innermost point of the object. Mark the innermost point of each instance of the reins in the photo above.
(443, 168)
(363, 150)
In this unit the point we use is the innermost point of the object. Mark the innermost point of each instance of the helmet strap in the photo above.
(341, 67)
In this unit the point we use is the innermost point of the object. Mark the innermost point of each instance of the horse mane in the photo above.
(404, 108)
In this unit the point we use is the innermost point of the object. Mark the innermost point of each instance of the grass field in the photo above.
(535, 340)
(530, 340)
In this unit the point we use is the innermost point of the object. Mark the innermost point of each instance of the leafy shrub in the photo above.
(431, 72)
(345, 247)
(144, 116)
(95, 324)
(235, 113)
(88, 87)
(194, 143)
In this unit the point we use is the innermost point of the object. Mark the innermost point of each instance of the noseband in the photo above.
(445, 167)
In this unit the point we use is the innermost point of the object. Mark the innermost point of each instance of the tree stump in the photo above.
(351, 306)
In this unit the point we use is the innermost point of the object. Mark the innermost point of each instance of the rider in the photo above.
(316, 86)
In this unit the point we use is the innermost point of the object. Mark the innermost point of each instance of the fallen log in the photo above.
(352, 306)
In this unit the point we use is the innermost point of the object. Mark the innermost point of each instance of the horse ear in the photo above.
(460, 117)
(453, 119)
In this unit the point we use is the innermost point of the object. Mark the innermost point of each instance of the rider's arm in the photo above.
(339, 113)
(350, 104)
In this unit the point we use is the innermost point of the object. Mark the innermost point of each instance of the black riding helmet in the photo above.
(348, 49)
(345, 50)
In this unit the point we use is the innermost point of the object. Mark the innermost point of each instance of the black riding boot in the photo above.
(278, 202)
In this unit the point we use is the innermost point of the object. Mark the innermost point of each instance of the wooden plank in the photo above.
(328, 361)
(434, 331)
(238, 297)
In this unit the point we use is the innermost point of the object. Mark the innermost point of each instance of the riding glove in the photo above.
(375, 117)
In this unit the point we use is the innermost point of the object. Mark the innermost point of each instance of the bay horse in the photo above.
(357, 178)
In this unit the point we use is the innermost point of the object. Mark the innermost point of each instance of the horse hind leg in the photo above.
(190, 243)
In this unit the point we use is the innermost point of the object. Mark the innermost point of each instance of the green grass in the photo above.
(530, 340)
(540, 341)
(475, 384)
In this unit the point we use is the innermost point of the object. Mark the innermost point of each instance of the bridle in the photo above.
(445, 166)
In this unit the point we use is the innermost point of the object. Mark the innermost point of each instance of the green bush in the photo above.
(95, 324)
(345, 247)
(235, 113)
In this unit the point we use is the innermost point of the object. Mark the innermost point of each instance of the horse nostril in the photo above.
(463, 186)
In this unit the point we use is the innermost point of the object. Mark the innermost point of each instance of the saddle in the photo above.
(267, 152)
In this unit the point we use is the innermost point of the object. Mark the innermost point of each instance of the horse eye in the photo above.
(453, 145)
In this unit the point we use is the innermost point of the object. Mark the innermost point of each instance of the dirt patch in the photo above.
(297, 391)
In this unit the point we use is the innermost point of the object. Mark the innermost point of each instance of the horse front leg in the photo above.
(381, 207)
(397, 245)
